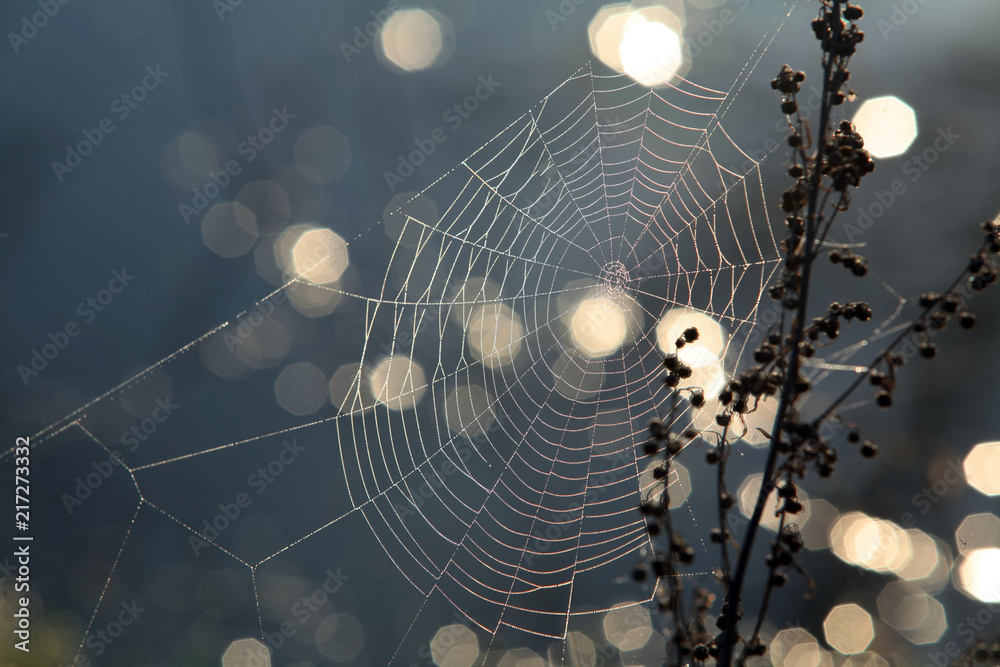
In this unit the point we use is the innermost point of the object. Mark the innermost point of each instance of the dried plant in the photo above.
(827, 161)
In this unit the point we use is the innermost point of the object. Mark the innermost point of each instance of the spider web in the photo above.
(496, 461)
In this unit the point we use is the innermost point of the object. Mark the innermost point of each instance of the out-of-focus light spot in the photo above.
(350, 389)
(653, 652)
(628, 628)
(415, 39)
(606, 32)
(122, 20)
(866, 660)
(874, 544)
(467, 410)
(887, 124)
(246, 653)
(600, 318)
(708, 372)
(301, 389)
(644, 43)
(651, 49)
(521, 657)
(678, 484)
(940, 575)
(469, 297)
(572, 293)
(761, 418)
(795, 647)
(454, 646)
(340, 637)
(703, 419)
(218, 356)
(576, 376)
(979, 575)
(747, 497)
(398, 382)
(816, 533)
(495, 334)
(916, 615)
(322, 154)
(313, 300)
(978, 531)
(188, 159)
(704, 356)
(808, 655)
(229, 230)
(598, 326)
(408, 216)
(924, 556)
(267, 342)
(982, 468)
(577, 651)
(267, 202)
(707, 4)
(265, 259)
(318, 255)
(848, 628)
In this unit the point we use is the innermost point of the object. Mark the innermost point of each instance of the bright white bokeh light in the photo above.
(711, 335)
(875, 544)
(412, 39)
(598, 326)
(651, 52)
(979, 575)
(982, 468)
(606, 30)
(319, 255)
(887, 124)
(644, 43)
(704, 356)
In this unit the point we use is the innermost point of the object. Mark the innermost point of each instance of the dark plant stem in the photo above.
(733, 595)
